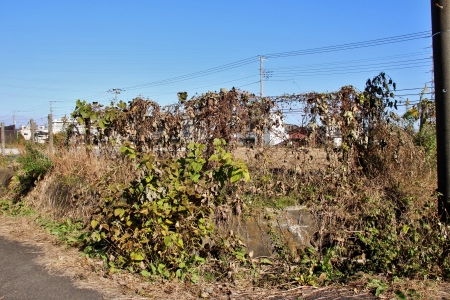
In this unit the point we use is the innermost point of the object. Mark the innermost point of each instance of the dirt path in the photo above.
(32, 262)
(22, 278)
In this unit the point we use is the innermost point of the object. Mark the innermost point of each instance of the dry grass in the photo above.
(92, 274)
(299, 159)
(70, 190)
(72, 187)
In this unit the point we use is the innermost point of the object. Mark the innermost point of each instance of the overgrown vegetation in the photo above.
(34, 165)
(152, 206)
(159, 222)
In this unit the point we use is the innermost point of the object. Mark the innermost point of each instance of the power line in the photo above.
(286, 73)
(355, 45)
(328, 68)
(357, 61)
(324, 73)
(198, 74)
(209, 85)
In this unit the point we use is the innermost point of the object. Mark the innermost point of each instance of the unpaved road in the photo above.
(33, 265)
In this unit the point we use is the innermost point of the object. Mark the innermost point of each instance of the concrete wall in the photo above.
(261, 233)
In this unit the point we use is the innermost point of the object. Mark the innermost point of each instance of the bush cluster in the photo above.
(34, 165)
(160, 222)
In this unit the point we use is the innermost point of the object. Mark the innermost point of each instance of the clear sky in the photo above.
(59, 51)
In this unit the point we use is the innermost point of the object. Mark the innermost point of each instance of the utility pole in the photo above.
(115, 91)
(33, 130)
(3, 138)
(440, 18)
(261, 75)
(16, 132)
(50, 133)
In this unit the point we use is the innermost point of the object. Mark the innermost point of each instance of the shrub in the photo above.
(34, 165)
(160, 221)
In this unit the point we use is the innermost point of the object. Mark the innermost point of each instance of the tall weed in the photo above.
(34, 166)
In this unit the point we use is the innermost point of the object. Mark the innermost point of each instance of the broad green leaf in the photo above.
(102, 123)
(246, 175)
(145, 273)
(198, 258)
(136, 256)
(168, 241)
(194, 177)
(161, 268)
(96, 236)
(182, 96)
(84, 114)
(197, 166)
(194, 278)
(214, 157)
(153, 268)
(236, 177)
(405, 228)
(122, 105)
(400, 295)
(119, 212)
(227, 156)
(94, 224)
(380, 289)
(265, 261)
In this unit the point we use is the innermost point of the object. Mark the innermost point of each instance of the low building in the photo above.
(41, 131)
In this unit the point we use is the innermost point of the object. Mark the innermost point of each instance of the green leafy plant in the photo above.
(68, 231)
(160, 222)
(34, 166)
(377, 286)
(86, 114)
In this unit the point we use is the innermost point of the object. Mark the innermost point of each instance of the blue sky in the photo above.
(59, 51)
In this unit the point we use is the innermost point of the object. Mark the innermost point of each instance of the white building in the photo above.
(41, 134)
(276, 133)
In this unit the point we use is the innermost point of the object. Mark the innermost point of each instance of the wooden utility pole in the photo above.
(440, 18)
(50, 134)
(3, 138)
(32, 130)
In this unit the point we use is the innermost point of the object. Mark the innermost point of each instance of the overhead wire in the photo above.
(355, 45)
(302, 74)
(198, 74)
(349, 66)
(250, 60)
